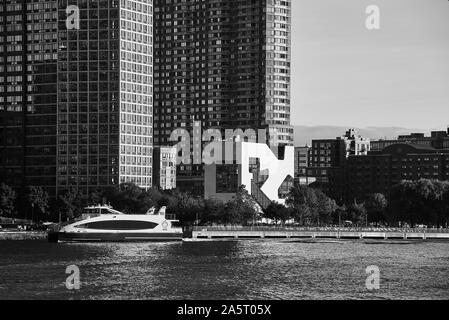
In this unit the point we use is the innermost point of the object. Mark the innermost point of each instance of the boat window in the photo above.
(118, 225)
(91, 211)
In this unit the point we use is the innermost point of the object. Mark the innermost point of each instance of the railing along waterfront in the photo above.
(319, 229)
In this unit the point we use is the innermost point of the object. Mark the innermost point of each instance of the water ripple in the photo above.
(268, 269)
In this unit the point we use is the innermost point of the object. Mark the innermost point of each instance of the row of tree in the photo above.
(311, 207)
(34, 202)
(305, 205)
(128, 198)
(411, 202)
(420, 202)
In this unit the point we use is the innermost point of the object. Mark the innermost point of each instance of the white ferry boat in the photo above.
(102, 223)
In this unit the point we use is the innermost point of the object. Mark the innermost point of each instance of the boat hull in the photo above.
(116, 237)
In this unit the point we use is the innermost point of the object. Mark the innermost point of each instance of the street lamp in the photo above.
(339, 218)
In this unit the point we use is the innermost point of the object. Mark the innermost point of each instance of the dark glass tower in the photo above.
(225, 63)
(28, 99)
(76, 103)
(105, 95)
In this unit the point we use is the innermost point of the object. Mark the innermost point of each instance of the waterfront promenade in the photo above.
(277, 232)
(319, 233)
(23, 235)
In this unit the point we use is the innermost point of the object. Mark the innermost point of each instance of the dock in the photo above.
(23, 235)
(317, 233)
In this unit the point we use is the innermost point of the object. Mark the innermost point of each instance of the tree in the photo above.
(445, 205)
(325, 208)
(303, 200)
(129, 198)
(423, 201)
(211, 211)
(37, 198)
(183, 205)
(402, 202)
(7, 198)
(356, 212)
(376, 205)
(276, 211)
(340, 215)
(95, 198)
(242, 208)
(156, 196)
(70, 204)
(297, 198)
(431, 194)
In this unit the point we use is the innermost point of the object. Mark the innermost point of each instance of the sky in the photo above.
(346, 75)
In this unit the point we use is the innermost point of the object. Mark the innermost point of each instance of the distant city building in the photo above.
(437, 140)
(301, 160)
(355, 145)
(331, 153)
(327, 159)
(378, 171)
(76, 103)
(301, 166)
(225, 64)
(164, 167)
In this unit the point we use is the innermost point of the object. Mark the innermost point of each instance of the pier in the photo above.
(23, 235)
(318, 233)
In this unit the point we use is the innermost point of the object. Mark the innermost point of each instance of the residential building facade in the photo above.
(302, 156)
(164, 167)
(105, 95)
(379, 171)
(28, 97)
(327, 161)
(76, 103)
(225, 64)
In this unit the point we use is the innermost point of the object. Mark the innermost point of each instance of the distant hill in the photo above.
(305, 134)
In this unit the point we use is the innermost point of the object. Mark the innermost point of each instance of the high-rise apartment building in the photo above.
(225, 63)
(76, 102)
(105, 94)
(28, 97)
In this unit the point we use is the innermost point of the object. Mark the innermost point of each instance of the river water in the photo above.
(247, 269)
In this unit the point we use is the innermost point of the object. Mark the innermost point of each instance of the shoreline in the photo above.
(23, 235)
(42, 235)
(292, 235)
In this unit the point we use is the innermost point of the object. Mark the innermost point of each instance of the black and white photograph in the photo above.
(224, 155)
